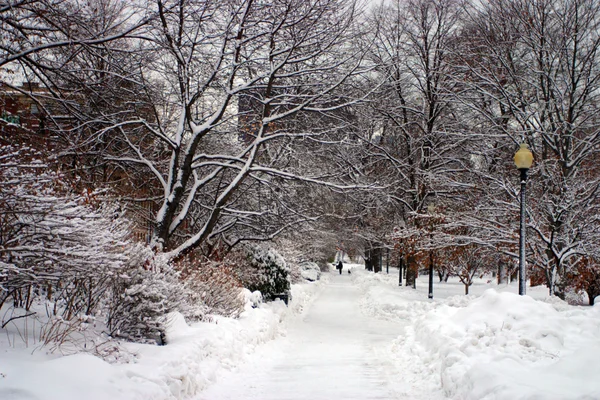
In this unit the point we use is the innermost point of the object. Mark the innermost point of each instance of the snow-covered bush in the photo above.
(295, 273)
(266, 271)
(252, 299)
(310, 271)
(55, 245)
(142, 295)
(214, 285)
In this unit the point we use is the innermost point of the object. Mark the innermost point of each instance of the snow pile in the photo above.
(252, 299)
(193, 359)
(384, 299)
(505, 346)
(497, 345)
(310, 271)
(303, 295)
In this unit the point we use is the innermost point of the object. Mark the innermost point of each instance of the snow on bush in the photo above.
(216, 286)
(266, 271)
(61, 246)
(59, 251)
(196, 355)
(141, 297)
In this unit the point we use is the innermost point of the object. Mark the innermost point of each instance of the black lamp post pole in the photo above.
(522, 276)
(400, 268)
(430, 295)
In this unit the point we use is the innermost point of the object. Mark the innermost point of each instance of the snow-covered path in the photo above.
(363, 337)
(332, 353)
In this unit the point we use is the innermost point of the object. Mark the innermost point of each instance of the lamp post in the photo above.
(523, 160)
(430, 211)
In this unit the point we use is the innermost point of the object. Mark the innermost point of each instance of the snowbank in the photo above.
(193, 359)
(505, 346)
(497, 345)
(310, 271)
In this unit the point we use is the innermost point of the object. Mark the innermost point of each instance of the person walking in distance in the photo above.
(340, 266)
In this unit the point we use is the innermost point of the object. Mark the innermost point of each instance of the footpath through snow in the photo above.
(367, 338)
(333, 352)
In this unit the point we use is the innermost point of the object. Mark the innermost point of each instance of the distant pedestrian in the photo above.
(340, 266)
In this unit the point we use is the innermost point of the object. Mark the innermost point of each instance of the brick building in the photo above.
(22, 115)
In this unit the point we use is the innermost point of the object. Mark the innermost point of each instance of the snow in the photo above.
(490, 345)
(310, 271)
(196, 356)
(330, 353)
(351, 336)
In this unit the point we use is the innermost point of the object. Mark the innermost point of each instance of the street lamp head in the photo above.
(523, 158)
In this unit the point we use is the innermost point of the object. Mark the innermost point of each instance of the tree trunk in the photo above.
(411, 272)
(501, 272)
(368, 260)
(387, 261)
(467, 288)
(376, 259)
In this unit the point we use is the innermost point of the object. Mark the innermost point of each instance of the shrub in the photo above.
(295, 274)
(265, 271)
(142, 296)
(213, 284)
(586, 278)
(63, 246)
(57, 247)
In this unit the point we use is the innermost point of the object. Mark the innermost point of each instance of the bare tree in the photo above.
(282, 62)
(33, 29)
(532, 73)
(417, 132)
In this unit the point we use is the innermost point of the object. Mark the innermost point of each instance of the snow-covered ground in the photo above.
(367, 338)
(195, 357)
(331, 353)
(348, 336)
(492, 344)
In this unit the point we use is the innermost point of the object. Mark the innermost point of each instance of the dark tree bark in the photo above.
(368, 260)
(411, 272)
(376, 259)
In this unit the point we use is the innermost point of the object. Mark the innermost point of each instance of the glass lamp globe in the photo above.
(523, 158)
